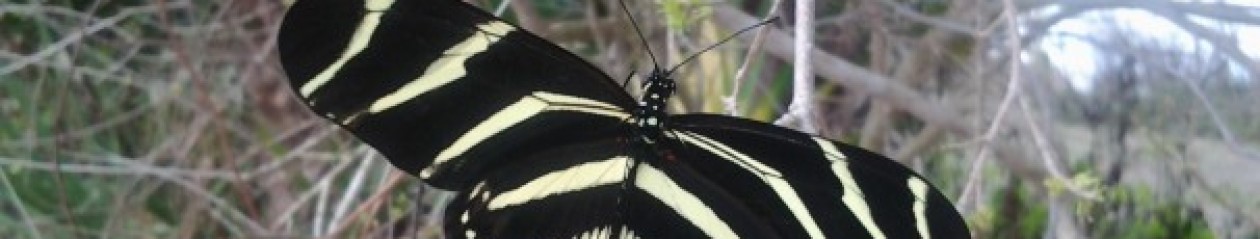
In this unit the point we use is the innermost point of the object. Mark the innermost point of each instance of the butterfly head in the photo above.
(650, 116)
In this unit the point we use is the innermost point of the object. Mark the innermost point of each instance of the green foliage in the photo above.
(1125, 213)
(1136, 212)
(77, 118)
(86, 202)
(678, 13)
(1016, 214)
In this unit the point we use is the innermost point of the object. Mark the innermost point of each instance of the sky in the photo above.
(1079, 60)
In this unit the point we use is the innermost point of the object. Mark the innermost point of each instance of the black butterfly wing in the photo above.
(600, 189)
(727, 177)
(433, 84)
(930, 210)
(808, 186)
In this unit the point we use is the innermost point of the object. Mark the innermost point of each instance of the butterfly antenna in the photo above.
(637, 31)
(724, 40)
(626, 82)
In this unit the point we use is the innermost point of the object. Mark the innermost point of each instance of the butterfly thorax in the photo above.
(649, 117)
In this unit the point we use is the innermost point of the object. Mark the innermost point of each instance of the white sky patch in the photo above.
(1075, 58)
(1080, 60)
(1250, 34)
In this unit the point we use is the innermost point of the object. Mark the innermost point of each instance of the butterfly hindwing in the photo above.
(431, 84)
(601, 188)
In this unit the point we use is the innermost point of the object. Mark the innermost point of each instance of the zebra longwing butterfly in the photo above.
(540, 143)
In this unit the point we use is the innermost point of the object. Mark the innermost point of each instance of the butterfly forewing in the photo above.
(813, 187)
(432, 84)
(900, 199)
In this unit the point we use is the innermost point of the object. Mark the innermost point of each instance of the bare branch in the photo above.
(802, 106)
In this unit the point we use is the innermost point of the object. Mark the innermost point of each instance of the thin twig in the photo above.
(351, 191)
(320, 217)
(133, 167)
(968, 199)
(730, 103)
(395, 178)
(18, 204)
(1049, 157)
(315, 190)
(218, 203)
(1226, 134)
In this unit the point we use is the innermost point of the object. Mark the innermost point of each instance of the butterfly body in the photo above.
(650, 116)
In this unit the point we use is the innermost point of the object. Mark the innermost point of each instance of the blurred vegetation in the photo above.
(172, 119)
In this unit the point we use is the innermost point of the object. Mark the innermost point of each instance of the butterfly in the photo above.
(540, 143)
